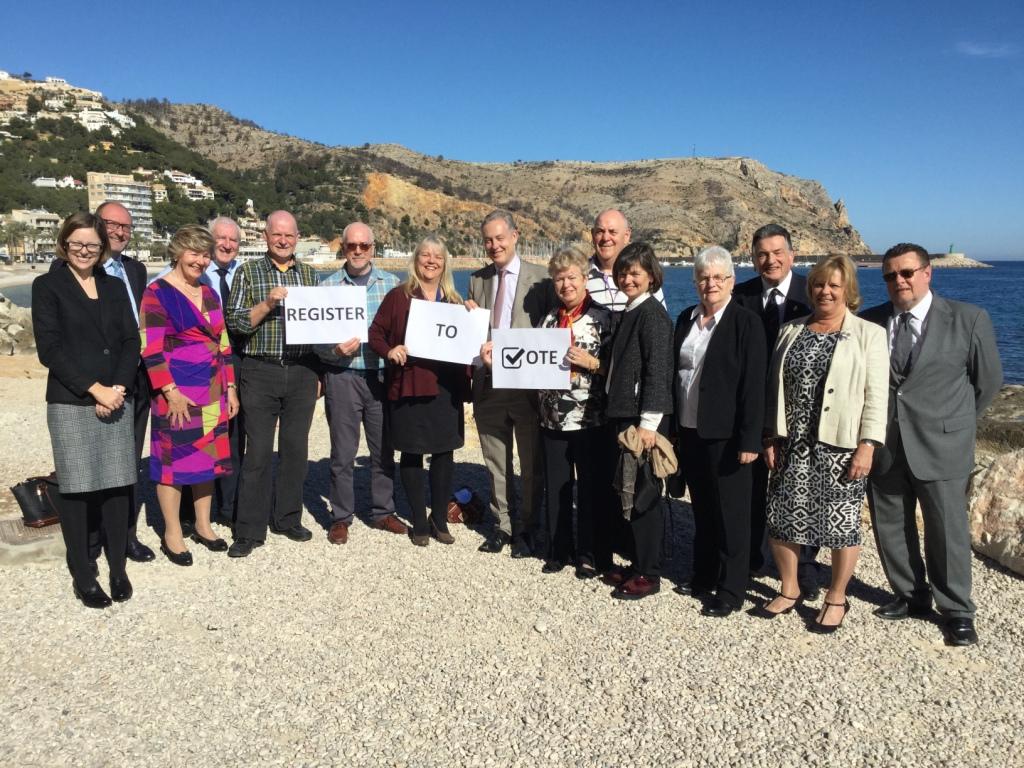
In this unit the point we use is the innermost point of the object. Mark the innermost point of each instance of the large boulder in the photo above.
(15, 328)
(997, 511)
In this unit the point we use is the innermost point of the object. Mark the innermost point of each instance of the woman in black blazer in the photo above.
(720, 360)
(639, 394)
(86, 335)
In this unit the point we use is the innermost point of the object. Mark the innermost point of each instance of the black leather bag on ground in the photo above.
(37, 499)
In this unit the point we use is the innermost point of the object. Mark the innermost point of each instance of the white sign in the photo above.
(326, 314)
(437, 330)
(530, 358)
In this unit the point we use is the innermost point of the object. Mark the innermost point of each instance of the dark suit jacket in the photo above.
(78, 350)
(748, 294)
(731, 392)
(640, 368)
(953, 378)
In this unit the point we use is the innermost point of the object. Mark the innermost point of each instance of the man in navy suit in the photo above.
(944, 370)
(777, 295)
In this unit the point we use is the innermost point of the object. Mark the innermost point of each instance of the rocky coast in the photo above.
(381, 653)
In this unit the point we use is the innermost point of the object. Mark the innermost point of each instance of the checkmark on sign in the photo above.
(512, 357)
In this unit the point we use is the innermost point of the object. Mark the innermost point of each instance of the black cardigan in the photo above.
(79, 351)
(641, 363)
(731, 395)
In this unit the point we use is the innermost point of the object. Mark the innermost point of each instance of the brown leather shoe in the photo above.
(338, 533)
(391, 524)
(637, 587)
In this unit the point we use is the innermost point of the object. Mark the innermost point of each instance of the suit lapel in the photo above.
(938, 321)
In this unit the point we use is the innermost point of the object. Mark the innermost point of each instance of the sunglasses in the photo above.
(352, 247)
(906, 274)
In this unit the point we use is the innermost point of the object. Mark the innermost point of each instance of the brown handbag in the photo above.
(37, 499)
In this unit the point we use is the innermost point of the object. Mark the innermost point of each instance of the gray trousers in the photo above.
(893, 497)
(353, 399)
(502, 415)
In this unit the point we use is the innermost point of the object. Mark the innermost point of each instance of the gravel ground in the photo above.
(381, 653)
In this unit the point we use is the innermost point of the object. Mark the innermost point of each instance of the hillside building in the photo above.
(136, 196)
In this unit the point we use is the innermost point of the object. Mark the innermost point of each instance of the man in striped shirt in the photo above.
(355, 394)
(610, 234)
(278, 382)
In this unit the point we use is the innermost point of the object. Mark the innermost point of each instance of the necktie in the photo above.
(902, 345)
(115, 268)
(499, 301)
(772, 315)
(225, 290)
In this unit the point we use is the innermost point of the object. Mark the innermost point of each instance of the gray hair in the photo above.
(713, 255)
(499, 214)
(344, 232)
(569, 256)
(225, 220)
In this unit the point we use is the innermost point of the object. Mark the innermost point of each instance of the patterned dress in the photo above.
(810, 501)
(188, 348)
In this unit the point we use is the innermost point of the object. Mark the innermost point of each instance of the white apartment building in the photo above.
(199, 192)
(56, 81)
(45, 182)
(136, 196)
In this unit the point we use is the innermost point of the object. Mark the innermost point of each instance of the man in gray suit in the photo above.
(518, 295)
(944, 371)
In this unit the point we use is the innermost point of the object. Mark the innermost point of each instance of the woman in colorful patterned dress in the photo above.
(187, 355)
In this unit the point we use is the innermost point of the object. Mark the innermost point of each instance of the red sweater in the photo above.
(418, 377)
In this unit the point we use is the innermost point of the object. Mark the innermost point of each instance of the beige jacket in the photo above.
(856, 398)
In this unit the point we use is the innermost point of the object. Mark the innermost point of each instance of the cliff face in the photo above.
(681, 204)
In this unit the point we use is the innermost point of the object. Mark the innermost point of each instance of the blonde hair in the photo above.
(837, 262)
(569, 256)
(446, 284)
(191, 237)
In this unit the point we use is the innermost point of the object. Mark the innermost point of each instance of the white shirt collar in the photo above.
(698, 311)
(783, 286)
(637, 301)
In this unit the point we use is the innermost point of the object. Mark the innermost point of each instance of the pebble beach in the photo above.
(381, 653)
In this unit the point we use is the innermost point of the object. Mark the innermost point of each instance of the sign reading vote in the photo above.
(530, 358)
(437, 330)
(325, 314)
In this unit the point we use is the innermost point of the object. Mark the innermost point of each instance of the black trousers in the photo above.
(442, 469)
(80, 513)
(807, 567)
(142, 404)
(720, 494)
(612, 532)
(573, 457)
(282, 398)
(646, 530)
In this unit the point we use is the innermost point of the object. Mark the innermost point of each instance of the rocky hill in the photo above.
(681, 204)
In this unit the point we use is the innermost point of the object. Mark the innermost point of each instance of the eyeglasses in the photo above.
(74, 245)
(716, 279)
(906, 274)
(116, 225)
(353, 247)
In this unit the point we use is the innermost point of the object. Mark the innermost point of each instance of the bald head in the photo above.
(282, 233)
(610, 234)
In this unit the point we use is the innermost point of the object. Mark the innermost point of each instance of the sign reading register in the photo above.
(530, 358)
(325, 314)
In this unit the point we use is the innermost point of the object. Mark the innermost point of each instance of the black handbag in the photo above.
(37, 499)
(648, 487)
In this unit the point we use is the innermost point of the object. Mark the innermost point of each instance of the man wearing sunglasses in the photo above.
(354, 395)
(944, 371)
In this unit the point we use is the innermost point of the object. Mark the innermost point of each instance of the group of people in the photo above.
(773, 402)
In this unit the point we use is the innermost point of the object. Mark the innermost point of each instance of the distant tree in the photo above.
(33, 105)
(26, 75)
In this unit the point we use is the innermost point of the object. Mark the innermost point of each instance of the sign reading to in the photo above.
(530, 358)
(447, 332)
(325, 314)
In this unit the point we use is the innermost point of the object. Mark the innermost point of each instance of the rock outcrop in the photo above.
(15, 328)
(997, 511)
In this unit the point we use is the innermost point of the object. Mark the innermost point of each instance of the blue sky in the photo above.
(912, 112)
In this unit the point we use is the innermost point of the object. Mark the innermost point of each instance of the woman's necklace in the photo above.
(826, 325)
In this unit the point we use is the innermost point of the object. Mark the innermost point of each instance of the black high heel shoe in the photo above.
(762, 611)
(178, 558)
(827, 629)
(214, 545)
(442, 536)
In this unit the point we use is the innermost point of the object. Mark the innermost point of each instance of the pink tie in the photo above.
(499, 300)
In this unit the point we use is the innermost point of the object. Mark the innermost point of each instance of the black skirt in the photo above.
(428, 424)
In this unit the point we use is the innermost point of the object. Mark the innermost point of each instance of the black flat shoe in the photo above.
(586, 571)
(214, 545)
(297, 532)
(900, 609)
(442, 536)
(827, 629)
(496, 543)
(178, 558)
(553, 566)
(762, 612)
(718, 609)
(94, 597)
(120, 589)
(138, 552)
(960, 632)
(243, 547)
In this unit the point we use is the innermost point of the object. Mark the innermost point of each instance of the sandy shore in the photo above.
(380, 653)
